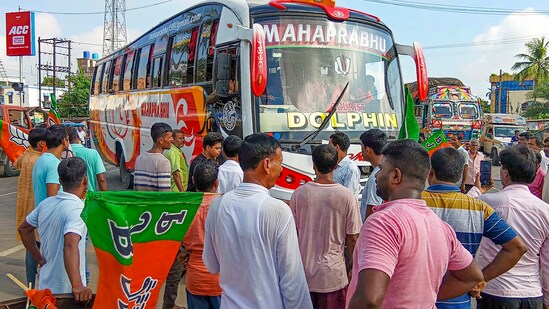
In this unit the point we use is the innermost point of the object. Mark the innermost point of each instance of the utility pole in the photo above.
(500, 91)
(58, 47)
(20, 75)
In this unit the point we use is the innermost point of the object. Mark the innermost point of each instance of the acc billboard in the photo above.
(20, 34)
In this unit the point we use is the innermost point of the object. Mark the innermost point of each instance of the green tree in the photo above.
(534, 64)
(75, 101)
(539, 110)
(48, 81)
(485, 106)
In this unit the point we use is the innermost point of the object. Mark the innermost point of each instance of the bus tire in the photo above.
(126, 178)
(495, 157)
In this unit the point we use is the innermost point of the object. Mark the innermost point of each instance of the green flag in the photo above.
(136, 236)
(410, 127)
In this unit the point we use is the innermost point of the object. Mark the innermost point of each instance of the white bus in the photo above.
(241, 67)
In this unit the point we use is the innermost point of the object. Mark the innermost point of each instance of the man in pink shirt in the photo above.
(326, 215)
(405, 256)
(526, 285)
(536, 186)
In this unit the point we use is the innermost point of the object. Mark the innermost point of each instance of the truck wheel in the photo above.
(10, 170)
(126, 178)
(495, 157)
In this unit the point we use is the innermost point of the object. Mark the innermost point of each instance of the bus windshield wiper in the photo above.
(331, 111)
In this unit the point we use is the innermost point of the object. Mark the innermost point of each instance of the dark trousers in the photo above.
(495, 302)
(203, 302)
(331, 300)
(172, 281)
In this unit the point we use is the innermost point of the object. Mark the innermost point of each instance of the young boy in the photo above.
(203, 290)
(152, 169)
(212, 149)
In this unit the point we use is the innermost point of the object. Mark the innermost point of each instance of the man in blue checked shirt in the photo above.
(471, 219)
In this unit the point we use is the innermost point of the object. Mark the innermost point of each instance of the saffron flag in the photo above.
(436, 141)
(136, 236)
(13, 141)
(410, 127)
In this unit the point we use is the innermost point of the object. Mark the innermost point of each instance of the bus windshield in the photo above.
(309, 63)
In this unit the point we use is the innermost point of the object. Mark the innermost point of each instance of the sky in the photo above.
(462, 45)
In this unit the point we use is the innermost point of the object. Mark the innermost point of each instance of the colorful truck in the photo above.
(497, 132)
(449, 107)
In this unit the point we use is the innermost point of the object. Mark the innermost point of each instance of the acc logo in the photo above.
(19, 30)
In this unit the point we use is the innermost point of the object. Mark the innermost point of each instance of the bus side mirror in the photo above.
(223, 70)
(416, 53)
(222, 88)
(223, 74)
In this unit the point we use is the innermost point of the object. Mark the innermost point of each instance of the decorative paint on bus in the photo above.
(123, 116)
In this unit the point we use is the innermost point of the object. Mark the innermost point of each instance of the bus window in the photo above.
(105, 79)
(100, 76)
(116, 74)
(157, 72)
(192, 55)
(143, 68)
(204, 63)
(179, 57)
(128, 70)
(95, 80)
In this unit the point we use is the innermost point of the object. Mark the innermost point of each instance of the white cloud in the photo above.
(486, 59)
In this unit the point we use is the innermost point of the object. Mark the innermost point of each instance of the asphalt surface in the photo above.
(12, 253)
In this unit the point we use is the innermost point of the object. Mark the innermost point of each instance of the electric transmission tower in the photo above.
(3, 74)
(114, 26)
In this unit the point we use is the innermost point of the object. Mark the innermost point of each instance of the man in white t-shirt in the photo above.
(251, 238)
(457, 144)
(230, 174)
(82, 135)
(372, 142)
(62, 233)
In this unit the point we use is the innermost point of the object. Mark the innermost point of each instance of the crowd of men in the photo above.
(411, 241)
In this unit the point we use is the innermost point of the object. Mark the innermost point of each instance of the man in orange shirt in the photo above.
(25, 194)
(203, 290)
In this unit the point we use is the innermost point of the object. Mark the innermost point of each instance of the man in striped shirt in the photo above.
(470, 218)
(152, 169)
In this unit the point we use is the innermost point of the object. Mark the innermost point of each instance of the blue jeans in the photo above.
(31, 267)
(495, 302)
(203, 302)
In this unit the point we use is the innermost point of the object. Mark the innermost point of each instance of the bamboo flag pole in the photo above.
(18, 282)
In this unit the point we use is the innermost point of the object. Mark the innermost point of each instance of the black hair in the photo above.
(526, 135)
(325, 158)
(255, 148)
(517, 131)
(459, 136)
(73, 135)
(231, 146)
(205, 175)
(176, 131)
(54, 136)
(520, 163)
(159, 129)
(375, 139)
(448, 164)
(211, 139)
(410, 158)
(537, 140)
(36, 136)
(546, 140)
(342, 140)
(71, 172)
(538, 157)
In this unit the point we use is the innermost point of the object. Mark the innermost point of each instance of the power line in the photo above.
(458, 8)
(102, 12)
(514, 40)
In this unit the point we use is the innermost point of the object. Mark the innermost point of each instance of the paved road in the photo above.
(12, 253)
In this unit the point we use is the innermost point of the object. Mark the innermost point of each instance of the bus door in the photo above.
(224, 104)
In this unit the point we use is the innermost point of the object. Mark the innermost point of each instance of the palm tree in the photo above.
(535, 64)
